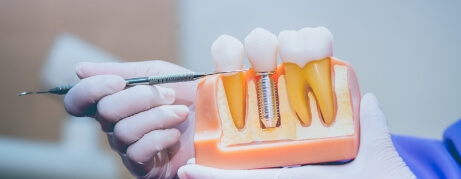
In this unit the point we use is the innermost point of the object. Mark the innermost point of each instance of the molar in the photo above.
(305, 54)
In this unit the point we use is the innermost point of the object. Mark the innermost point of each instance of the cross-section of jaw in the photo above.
(313, 97)
(306, 56)
(227, 54)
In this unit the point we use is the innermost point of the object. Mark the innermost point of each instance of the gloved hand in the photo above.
(377, 157)
(147, 125)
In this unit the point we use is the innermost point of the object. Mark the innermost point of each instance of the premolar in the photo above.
(307, 66)
(227, 54)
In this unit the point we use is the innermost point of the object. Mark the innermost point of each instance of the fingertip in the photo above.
(370, 99)
(70, 107)
(117, 83)
(152, 143)
(369, 107)
(195, 171)
(183, 172)
(372, 120)
(175, 134)
(182, 111)
(81, 69)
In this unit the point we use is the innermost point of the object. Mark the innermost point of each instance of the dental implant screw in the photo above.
(267, 100)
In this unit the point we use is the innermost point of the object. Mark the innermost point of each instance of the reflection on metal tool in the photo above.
(150, 80)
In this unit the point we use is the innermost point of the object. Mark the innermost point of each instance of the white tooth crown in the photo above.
(293, 47)
(227, 53)
(305, 45)
(261, 48)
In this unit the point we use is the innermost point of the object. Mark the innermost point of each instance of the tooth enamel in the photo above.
(293, 47)
(261, 47)
(305, 45)
(227, 54)
(319, 43)
(304, 54)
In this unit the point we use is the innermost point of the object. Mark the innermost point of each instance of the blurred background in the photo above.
(407, 53)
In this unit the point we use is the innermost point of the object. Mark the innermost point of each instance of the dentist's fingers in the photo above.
(372, 117)
(133, 128)
(144, 154)
(374, 129)
(115, 107)
(82, 98)
(185, 91)
(376, 148)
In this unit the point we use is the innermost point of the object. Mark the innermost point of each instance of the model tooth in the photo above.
(319, 43)
(227, 54)
(261, 47)
(294, 47)
(294, 52)
(305, 54)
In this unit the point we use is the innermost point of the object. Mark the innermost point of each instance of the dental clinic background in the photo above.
(405, 52)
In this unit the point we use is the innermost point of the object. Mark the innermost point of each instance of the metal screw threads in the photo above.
(159, 79)
(267, 100)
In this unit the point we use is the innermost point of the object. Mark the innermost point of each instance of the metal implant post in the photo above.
(267, 100)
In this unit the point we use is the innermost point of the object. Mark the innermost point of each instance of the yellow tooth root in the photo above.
(318, 75)
(235, 89)
(297, 90)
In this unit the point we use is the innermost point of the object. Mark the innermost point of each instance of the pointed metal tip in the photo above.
(270, 123)
(23, 93)
(31, 92)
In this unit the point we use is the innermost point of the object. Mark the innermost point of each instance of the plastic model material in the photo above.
(317, 104)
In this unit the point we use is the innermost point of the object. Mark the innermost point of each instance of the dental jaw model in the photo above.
(304, 111)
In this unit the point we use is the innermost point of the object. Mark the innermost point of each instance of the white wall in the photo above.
(407, 53)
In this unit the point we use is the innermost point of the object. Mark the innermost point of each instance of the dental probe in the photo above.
(150, 80)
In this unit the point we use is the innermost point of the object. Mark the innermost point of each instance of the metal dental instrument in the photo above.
(150, 80)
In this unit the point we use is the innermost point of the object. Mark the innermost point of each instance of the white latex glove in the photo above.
(147, 125)
(377, 157)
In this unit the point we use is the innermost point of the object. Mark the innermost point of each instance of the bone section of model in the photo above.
(227, 53)
(305, 54)
(261, 47)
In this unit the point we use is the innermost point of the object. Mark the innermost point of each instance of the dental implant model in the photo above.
(261, 47)
(303, 111)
